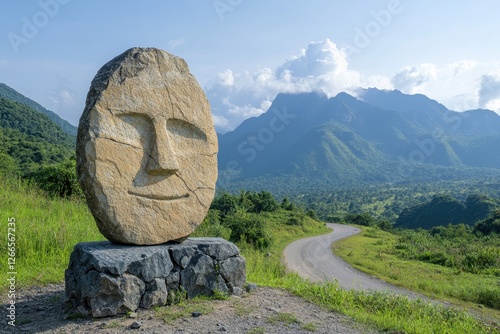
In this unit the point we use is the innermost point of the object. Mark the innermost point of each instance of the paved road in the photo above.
(312, 258)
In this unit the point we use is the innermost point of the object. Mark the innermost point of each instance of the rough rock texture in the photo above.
(105, 279)
(147, 149)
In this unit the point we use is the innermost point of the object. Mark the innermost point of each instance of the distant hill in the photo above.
(379, 136)
(9, 93)
(443, 210)
(29, 139)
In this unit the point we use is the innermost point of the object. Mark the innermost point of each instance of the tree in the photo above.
(489, 225)
(59, 179)
(226, 204)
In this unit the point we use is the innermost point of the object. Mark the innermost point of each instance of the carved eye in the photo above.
(184, 129)
(133, 129)
(186, 138)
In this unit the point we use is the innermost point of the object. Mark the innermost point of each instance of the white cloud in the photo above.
(321, 66)
(413, 79)
(462, 66)
(489, 91)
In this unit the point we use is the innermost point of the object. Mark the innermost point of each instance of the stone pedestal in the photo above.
(104, 279)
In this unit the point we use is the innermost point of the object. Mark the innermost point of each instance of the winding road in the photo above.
(313, 258)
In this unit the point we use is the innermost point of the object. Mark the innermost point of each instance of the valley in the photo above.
(308, 161)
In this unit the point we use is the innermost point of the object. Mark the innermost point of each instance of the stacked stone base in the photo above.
(105, 279)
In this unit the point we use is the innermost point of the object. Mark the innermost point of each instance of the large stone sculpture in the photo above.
(147, 163)
(146, 149)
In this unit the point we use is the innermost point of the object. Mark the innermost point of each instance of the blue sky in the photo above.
(245, 52)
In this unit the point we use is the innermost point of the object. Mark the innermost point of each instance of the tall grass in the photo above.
(386, 312)
(46, 231)
(379, 253)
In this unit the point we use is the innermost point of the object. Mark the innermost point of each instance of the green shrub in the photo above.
(248, 228)
(59, 179)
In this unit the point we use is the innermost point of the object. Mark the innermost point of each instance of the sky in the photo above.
(243, 53)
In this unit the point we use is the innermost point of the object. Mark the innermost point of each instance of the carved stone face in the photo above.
(147, 149)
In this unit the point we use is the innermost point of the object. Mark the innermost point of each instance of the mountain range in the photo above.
(383, 136)
(306, 140)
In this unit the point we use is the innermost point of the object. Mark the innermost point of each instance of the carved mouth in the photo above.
(159, 197)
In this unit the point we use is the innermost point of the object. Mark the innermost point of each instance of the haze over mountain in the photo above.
(380, 136)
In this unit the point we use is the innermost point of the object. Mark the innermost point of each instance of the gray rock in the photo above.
(156, 294)
(107, 295)
(104, 279)
(135, 325)
(234, 270)
(250, 287)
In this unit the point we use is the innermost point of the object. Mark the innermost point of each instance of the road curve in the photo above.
(313, 258)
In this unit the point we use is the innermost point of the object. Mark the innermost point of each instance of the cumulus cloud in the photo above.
(321, 66)
(413, 79)
(489, 91)
(462, 66)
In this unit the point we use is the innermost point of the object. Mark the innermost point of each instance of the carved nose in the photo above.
(161, 159)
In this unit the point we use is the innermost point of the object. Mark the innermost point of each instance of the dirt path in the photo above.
(312, 258)
(266, 310)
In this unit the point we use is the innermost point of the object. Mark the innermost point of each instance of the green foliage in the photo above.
(359, 219)
(287, 205)
(444, 209)
(249, 228)
(489, 225)
(47, 229)
(454, 246)
(226, 204)
(433, 265)
(59, 179)
(8, 93)
(29, 140)
(212, 226)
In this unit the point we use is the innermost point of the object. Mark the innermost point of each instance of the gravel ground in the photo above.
(266, 310)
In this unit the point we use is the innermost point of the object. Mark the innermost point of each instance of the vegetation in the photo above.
(48, 228)
(33, 147)
(8, 93)
(46, 231)
(446, 263)
(444, 209)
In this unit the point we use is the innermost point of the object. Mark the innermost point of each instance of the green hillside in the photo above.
(29, 139)
(8, 93)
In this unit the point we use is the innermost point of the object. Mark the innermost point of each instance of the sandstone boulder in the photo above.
(147, 149)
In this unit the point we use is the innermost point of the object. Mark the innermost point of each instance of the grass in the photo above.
(47, 230)
(184, 309)
(284, 318)
(383, 311)
(373, 252)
